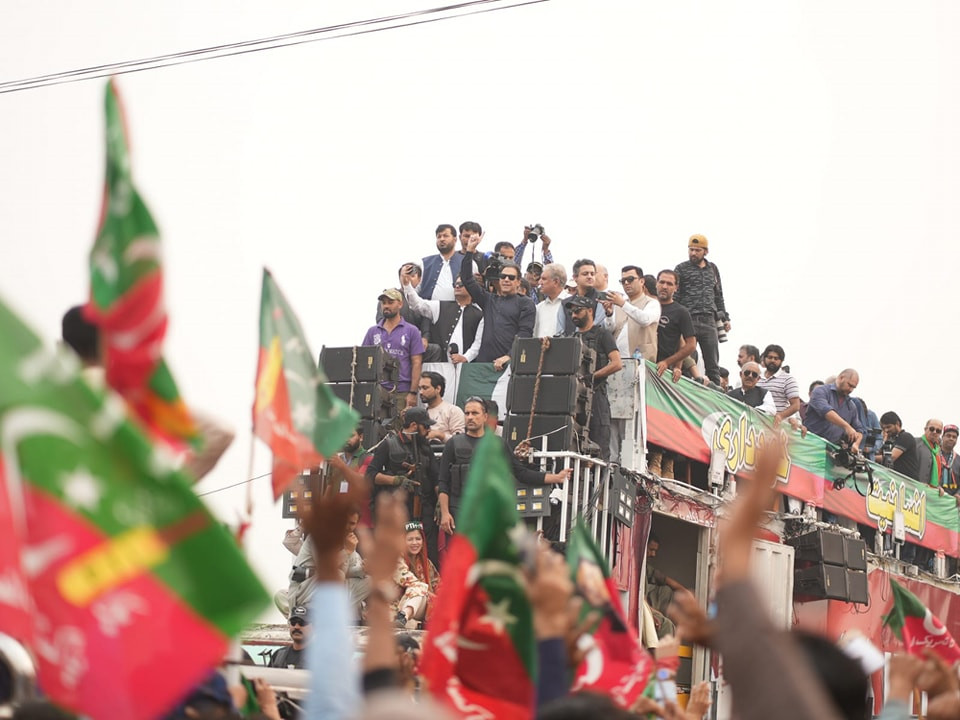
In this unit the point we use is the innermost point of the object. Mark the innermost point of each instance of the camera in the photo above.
(887, 450)
(603, 296)
(534, 233)
(494, 268)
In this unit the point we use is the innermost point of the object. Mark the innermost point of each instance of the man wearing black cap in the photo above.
(532, 275)
(608, 362)
(295, 656)
(404, 460)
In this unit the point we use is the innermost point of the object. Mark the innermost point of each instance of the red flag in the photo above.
(616, 665)
(16, 606)
(919, 628)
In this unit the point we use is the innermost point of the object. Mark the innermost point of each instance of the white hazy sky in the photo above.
(813, 143)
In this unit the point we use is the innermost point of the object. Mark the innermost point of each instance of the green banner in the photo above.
(705, 425)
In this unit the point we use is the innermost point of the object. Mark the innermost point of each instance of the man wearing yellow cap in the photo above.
(701, 293)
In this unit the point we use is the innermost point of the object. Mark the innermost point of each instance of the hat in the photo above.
(579, 301)
(951, 428)
(299, 612)
(391, 294)
(535, 267)
(417, 415)
(698, 241)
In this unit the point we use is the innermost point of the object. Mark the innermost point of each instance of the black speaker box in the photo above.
(855, 553)
(822, 581)
(370, 399)
(565, 356)
(857, 587)
(623, 497)
(372, 432)
(819, 546)
(557, 395)
(373, 364)
(515, 431)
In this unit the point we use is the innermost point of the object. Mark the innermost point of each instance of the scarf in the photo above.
(946, 463)
(935, 465)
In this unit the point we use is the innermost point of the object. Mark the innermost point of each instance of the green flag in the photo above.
(917, 627)
(136, 588)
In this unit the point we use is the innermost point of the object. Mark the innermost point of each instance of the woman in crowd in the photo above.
(416, 577)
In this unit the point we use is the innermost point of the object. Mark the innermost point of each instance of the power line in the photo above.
(238, 484)
(330, 32)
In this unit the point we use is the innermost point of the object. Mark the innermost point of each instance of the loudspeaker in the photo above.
(565, 356)
(857, 587)
(855, 553)
(372, 364)
(558, 394)
(370, 399)
(819, 546)
(372, 432)
(822, 581)
(515, 430)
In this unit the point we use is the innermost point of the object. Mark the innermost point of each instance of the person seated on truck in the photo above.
(456, 461)
(417, 579)
(447, 417)
(660, 589)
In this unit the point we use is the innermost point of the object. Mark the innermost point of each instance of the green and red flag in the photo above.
(294, 412)
(480, 654)
(615, 665)
(126, 295)
(917, 627)
(136, 589)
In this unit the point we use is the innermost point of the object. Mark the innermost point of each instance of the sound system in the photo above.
(533, 500)
(373, 364)
(370, 399)
(372, 432)
(820, 546)
(855, 554)
(557, 394)
(565, 356)
(561, 430)
(857, 587)
(821, 581)
(623, 496)
(301, 491)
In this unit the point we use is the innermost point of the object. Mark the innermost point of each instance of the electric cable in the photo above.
(330, 32)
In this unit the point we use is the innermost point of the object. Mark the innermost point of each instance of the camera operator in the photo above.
(833, 415)
(506, 313)
(532, 233)
(899, 450)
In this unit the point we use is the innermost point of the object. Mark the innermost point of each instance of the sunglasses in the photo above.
(476, 399)
(299, 621)
(632, 278)
(458, 284)
(750, 373)
(509, 276)
(934, 430)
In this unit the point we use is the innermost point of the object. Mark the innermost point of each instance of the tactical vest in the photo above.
(462, 454)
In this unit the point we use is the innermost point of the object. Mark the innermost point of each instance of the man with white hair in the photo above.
(750, 393)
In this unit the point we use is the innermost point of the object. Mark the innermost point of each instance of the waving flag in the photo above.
(126, 295)
(294, 412)
(616, 665)
(136, 589)
(480, 656)
(917, 627)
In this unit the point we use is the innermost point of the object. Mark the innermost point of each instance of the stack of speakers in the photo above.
(830, 565)
(355, 374)
(562, 410)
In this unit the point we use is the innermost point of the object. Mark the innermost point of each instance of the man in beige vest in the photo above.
(633, 320)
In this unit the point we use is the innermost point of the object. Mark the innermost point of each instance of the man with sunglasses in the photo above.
(750, 393)
(507, 314)
(457, 325)
(301, 631)
(634, 321)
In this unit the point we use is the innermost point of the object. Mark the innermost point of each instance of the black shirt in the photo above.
(675, 321)
(505, 316)
(288, 656)
(601, 340)
(909, 462)
(521, 472)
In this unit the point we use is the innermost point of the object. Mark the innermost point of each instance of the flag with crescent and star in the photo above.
(480, 654)
(126, 295)
(294, 412)
(135, 590)
(917, 627)
(615, 664)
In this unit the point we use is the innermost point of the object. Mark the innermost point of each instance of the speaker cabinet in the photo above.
(565, 356)
(821, 581)
(370, 399)
(855, 553)
(372, 364)
(558, 394)
(857, 587)
(562, 429)
(820, 546)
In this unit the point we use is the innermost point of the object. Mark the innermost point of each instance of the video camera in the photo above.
(491, 275)
(853, 461)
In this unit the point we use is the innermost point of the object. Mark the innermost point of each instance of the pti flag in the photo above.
(615, 665)
(480, 654)
(917, 627)
(294, 412)
(136, 589)
(126, 295)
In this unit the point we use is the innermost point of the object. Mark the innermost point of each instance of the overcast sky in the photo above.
(813, 143)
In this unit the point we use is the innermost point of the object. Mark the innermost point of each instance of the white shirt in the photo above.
(444, 287)
(431, 309)
(545, 324)
(647, 315)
